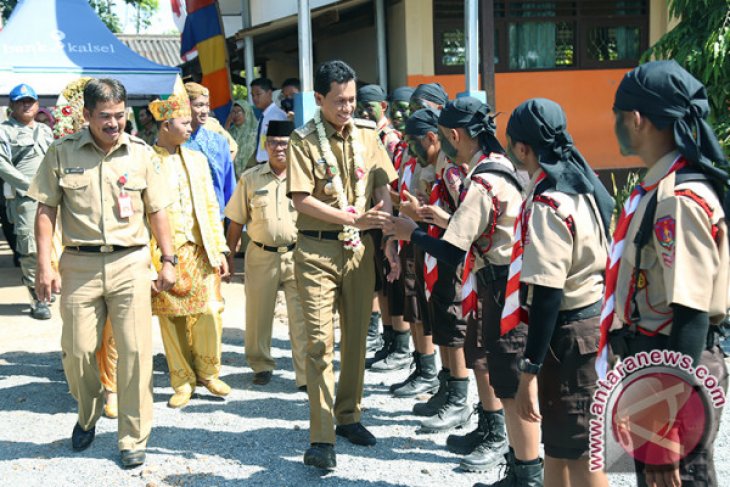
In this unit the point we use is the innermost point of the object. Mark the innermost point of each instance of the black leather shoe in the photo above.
(356, 434)
(133, 458)
(302, 388)
(321, 455)
(80, 439)
(262, 378)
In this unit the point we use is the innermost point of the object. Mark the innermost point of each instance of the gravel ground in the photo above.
(256, 436)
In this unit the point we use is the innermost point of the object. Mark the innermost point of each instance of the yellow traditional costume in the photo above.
(190, 313)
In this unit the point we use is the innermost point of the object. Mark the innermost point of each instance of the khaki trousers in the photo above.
(115, 285)
(330, 278)
(23, 209)
(193, 345)
(265, 271)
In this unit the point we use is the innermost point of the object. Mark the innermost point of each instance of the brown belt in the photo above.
(100, 249)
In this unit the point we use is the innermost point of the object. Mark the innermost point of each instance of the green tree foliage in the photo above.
(145, 9)
(701, 43)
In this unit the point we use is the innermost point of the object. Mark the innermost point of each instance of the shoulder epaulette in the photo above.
(136, 140)
(306, 129)
(364, 124)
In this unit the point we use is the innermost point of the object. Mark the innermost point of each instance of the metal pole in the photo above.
(382, 52)
(248, 55)
(471, 41)
(487, 43)
(305, 46)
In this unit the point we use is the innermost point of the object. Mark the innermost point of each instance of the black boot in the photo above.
(518, 474)
(415, 366)
(434, 403)
(382, 352)
(374, 339)
(425, 379)
(399, 355)
(491, 450)
(465, 444)
(454, 413)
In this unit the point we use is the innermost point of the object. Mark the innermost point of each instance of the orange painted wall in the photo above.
(585, 95)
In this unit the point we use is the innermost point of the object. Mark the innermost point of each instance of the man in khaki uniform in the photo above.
(335, 169)
(671, 287)
(23, 143)
(259, 202)
(107, 184)
(190, 314)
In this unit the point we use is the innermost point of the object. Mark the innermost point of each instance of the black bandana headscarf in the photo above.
(432, 92)
(402, 93)
(473, 116)
(541, 124)
(669, 96)
(421, 122)
(370, 93)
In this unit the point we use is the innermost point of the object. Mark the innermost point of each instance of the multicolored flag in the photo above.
(203, 32)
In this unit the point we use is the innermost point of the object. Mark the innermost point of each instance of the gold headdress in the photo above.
(195, 90)
(176, 106)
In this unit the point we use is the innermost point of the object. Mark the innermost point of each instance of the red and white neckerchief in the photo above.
(513, 312)
(469, 296)
(430, 264)
(405, 185)
(613, 264)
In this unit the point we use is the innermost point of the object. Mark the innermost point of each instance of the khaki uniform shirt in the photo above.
(85, 182)
(307, 170)
(194, 213)
(26, 144)
(259, 202)
(682, 264)
(476, 213)
(554, 258)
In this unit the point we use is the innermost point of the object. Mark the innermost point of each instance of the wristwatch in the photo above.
(524, 365)
(172, 259)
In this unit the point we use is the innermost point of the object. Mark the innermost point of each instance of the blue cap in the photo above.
(22, 91)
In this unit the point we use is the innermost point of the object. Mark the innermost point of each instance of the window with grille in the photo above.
(539, 35)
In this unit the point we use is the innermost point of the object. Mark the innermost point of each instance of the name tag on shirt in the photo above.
(261, 191)
(125, 206)
(73, 170)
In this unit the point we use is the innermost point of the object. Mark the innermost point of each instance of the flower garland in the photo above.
(350, 235)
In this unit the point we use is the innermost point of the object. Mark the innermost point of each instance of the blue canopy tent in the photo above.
(49, 43)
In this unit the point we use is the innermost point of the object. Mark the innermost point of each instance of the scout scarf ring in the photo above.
(350, 235)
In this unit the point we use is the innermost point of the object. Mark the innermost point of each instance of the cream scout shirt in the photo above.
(307, 172)
(555, 257)
(687, 260)
(87, 184)
(475, 215)
(259, 202)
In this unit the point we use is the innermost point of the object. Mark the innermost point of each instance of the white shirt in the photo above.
(272, 112)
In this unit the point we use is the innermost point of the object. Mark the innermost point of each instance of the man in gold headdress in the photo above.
(190, 312)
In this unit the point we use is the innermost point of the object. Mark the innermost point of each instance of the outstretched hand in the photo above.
(373, 218)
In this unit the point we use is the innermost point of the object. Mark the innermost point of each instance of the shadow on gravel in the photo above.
(267, 448)
(267, 479)
(268, 408)
(13, 309)
(30, 396)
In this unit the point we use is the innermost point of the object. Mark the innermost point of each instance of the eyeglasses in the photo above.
(277, 143)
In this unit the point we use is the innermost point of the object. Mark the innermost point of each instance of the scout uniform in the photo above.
(259, 202)
(669, 287)
(105, 269)
(331, 276)
(22, 148)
